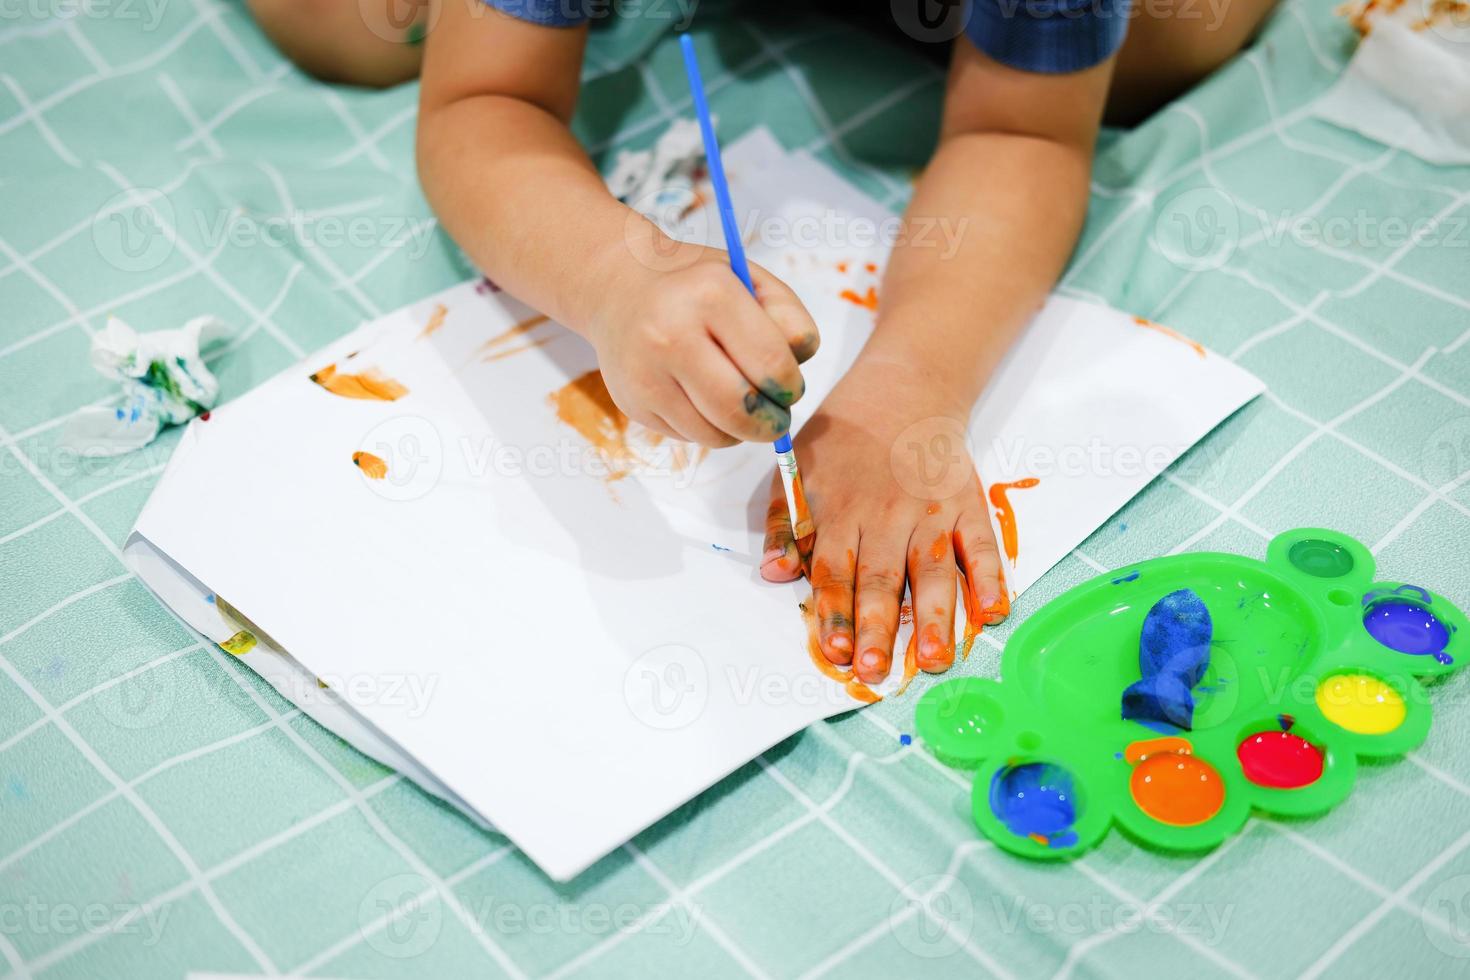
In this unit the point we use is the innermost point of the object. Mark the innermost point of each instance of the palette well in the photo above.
(1295, 667)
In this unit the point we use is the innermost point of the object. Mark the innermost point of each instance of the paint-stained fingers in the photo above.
(834, 566)
(978, 558)
(755, 344)
(780, 562)
(786, 308)
(932, 581)
(726, 399)
(878, 596)
(680, 413)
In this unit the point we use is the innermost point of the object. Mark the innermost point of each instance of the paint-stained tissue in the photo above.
(455, 551)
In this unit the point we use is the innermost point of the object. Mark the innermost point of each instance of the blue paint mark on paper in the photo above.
(1173, 652)
(720, 547)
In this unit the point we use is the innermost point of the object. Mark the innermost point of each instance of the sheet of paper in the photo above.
(559, 619)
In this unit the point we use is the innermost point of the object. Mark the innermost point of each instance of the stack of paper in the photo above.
(552, 619)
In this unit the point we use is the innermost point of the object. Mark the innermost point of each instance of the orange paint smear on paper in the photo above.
(436, 320)
(868, 301)
(585, 404)
(910, 663)
(371, 385)
(842, 267)
(372, 466)
(1006, 514)
(1170, 333)
(855, 688)
(519, 330)
(871, 267)
(501, 355)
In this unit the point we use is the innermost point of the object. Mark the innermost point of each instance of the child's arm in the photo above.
(683, 348)
(891, 485)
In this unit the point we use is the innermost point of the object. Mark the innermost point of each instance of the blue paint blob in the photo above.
(1406, 626)
(1173, 652)
(1130, 577)
(1036, 800)
(905, 739)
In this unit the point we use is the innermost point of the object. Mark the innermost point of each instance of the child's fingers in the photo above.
(755, 345)
(727, 400)
(833, 571)
(932, 581)
(879, 593)
(979, 558)
(786, 308)
(679, 412)
(780, 562)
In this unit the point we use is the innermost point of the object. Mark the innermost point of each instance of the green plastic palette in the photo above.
(1311, 666)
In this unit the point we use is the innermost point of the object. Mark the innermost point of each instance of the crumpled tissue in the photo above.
(164, 381)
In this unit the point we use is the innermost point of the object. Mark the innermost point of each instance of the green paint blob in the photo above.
(1323, 559)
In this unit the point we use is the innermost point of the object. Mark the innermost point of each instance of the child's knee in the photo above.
(341, 40)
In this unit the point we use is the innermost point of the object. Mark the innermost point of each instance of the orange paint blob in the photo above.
(868, 301)
(871, 267)
(933, 508)
(372, 466)
(1172, 785)
(371, 385)
(1010, 539)
(585, 404)
(842, 267)
(436, 320)
(1170, 333)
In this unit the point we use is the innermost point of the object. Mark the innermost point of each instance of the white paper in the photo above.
(1408, 84)
(571, 658)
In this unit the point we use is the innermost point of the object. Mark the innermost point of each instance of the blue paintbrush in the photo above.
(801, 519)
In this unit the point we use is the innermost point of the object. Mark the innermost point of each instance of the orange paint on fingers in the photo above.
(855, 688)
(910, 663)
(940, 547)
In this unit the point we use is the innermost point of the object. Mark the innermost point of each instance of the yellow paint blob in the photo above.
(1361, 703)
(239, 644)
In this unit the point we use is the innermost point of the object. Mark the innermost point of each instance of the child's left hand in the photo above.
(894, 496)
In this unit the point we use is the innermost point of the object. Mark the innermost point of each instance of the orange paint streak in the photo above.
(436, 320)
(585, 404)
(1006, 514)
(804, 528)
(500, 355)
(372, 466)
(1171, 785)
(371, 385)
(524, 327)
(868, 301)
(905, 614)
(933, 508)
(855, 688)
(1171, 334)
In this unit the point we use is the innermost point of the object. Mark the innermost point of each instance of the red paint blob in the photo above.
(1280, 760)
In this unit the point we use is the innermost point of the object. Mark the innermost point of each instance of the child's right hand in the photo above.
(690, 353)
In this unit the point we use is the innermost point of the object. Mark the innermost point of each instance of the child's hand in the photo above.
(894, 494)
(691, 354)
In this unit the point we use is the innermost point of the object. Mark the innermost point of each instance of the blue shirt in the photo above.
(1051, 36)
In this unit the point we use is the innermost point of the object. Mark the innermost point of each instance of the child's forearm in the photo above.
(990, 226)
(512, 186)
